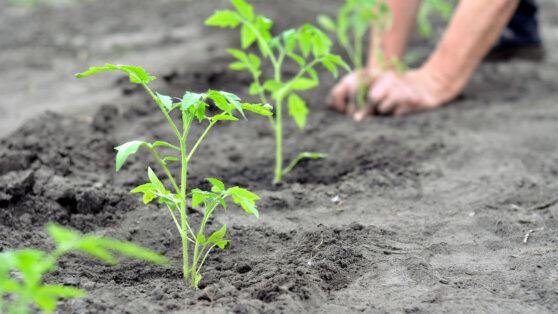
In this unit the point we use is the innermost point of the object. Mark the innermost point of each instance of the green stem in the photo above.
(162, 162)
(193, 150)
(183, 209)
(158, 101)
(205, 256)
(278, 140)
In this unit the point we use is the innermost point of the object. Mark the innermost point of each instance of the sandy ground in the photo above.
(424, 213)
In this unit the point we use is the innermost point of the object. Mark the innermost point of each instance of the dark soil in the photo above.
(422, 213)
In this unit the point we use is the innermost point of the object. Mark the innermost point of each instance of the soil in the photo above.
(422, 213)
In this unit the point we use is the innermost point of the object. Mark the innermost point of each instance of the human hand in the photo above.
(397, 94)
(342, 97)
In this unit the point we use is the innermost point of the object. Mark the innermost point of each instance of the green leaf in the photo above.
(218, 235)
(166, 101)
(247, 36)
(132, 250)
(61, 234)
(244, 9)
(148, 196)
(300, 157)
(223, 18)
(239, 54)
(161, 143)
(220, 101)
(199, 196)
(255, 88)
(137, 74)
(171, 159)
(264, 110)
(218, 186)
(305, 43)
(157, 184)
(298, 110)
(90, 245)
(238, 66)
(246, 199)
(125, 150)
(223, 117)
(273, 86)
(224, 244)
(303, 84)
(327, 23)
(45, 302)
(200, 239)
(332, 68)
(298, 59)
(190, 100)
(61, 291)
(255, 61)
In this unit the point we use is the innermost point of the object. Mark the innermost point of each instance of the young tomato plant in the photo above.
(193, 108)
(22, 271)
(308, 46)
(354, 19)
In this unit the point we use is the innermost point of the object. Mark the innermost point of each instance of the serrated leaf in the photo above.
(218, 235)
(190, 100)
(224, 244)
(264, 110)
(62, 291)
(255, 88)
(327, 23)
(148, 196)
(223, 117)
(247, 36)
(218, 186)
(272, 85)
(125, 150)
(166, 101)
(298, 59)
(143, 188)
(238, 66)
(244, 9)
(246, 199)
(137, 74)
(223, 18)
(298, 110)
(200, 239)
(220, 101)
(157, 184)
(132, 250)
(303, 84)
(239, 54)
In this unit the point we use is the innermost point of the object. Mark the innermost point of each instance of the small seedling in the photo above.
(193, 107)
(307, 46)
(22, 271)
(354, 19)
(428, 7)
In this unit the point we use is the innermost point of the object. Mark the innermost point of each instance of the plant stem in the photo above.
(158, 101)
(193, 150)
(278, 140)
(162, 162)
(183, 209)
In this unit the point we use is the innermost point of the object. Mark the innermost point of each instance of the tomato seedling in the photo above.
(22, 271)
(307, 45)
(193, 108)
(354, 19)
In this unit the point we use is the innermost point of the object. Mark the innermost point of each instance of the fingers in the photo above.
(341, 96)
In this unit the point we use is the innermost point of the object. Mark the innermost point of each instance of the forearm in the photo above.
(392, 42)
(475, 27)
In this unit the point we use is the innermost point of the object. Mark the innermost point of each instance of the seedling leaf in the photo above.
(218, 186)
(132, 250)
(137, 74)
(244, 9)
(218, 235)
(326, 22)
(224, 18)
(157, 184)
(298, 110)
(264, 110)
(246, 199)
(125, 150)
